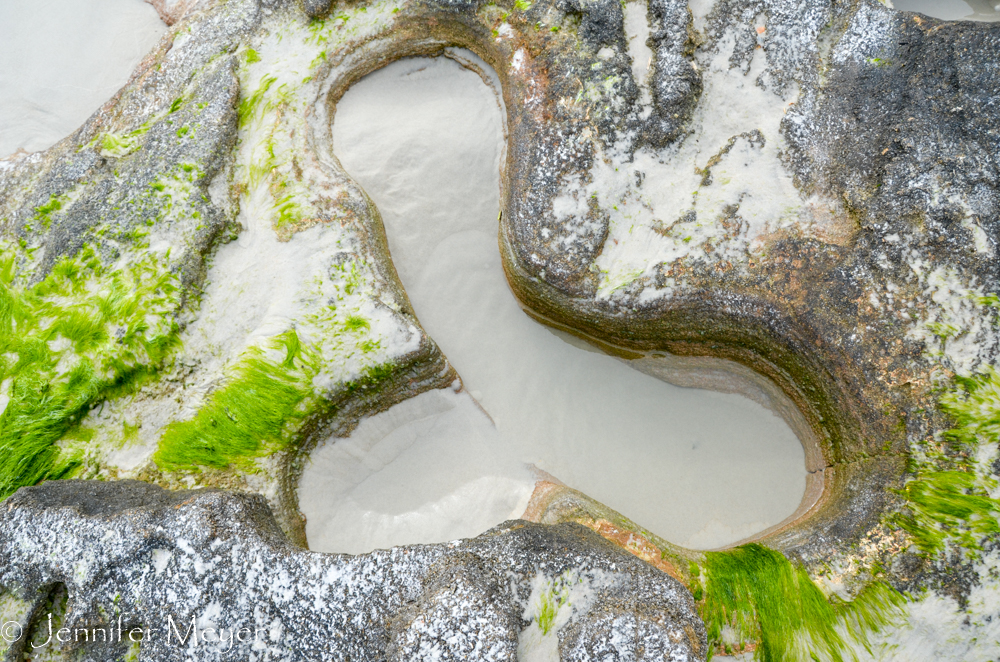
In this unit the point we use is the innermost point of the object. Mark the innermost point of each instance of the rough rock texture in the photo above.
(316, 8)
(809, 189)
(131, 555)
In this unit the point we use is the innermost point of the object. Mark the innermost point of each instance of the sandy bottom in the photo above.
(953, 10)
(60, 60)
(424, 138)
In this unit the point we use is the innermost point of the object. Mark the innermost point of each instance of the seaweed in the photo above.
(948, 506)
(754, 595)
(81, 335)
(250, 105)
(250, 416)
(947, 501)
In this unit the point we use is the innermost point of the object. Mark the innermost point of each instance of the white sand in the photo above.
(700, 468)
(953, 10)
(429, 469)
(60, 60)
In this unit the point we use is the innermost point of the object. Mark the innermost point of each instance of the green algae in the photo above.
(291, 211)
(754, 595)
(250, 106)
(175, 190)
(250, 416)
(550, 602)
(356, 323)
(948, 501)
(974, 403)
(267, 397)
(948, 507)
(82, 334)
(43, 214)
(122, 144)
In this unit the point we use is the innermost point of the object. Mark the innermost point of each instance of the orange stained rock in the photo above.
(546, 492)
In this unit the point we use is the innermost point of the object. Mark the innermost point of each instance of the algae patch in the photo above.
(753, 595)
(950, 500)
(249, 416)
(84, 333)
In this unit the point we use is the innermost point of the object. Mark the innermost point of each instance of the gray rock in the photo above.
(317, 8)
(192, 568)
(639, 627)
(440, 625)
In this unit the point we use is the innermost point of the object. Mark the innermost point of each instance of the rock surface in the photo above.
(131, 555)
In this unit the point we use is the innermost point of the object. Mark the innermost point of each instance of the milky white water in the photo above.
(60, 60)
(953, 10)
(424, 138)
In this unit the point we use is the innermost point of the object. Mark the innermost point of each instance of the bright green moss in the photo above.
(251, 56)
(78, 336)
(948, 506)
(134, 648)
(122, 144)
(975, 406)
(548, 609)
(552, 599)
(374, 376)
(356, 323)
(248, 417)
(290, 212)
(257, 412)
(317, 32)
(318, 60)
(754, 595)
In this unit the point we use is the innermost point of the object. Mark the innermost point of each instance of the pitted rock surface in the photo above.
(134, 555)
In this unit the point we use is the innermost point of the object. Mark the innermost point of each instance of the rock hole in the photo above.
(704, 469)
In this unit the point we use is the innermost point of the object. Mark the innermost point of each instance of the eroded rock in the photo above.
(131, 555)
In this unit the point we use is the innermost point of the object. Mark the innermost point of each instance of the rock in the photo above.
(811, 190)
(316, 8)
(131, 555)
(619, 628)
(465, 612)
